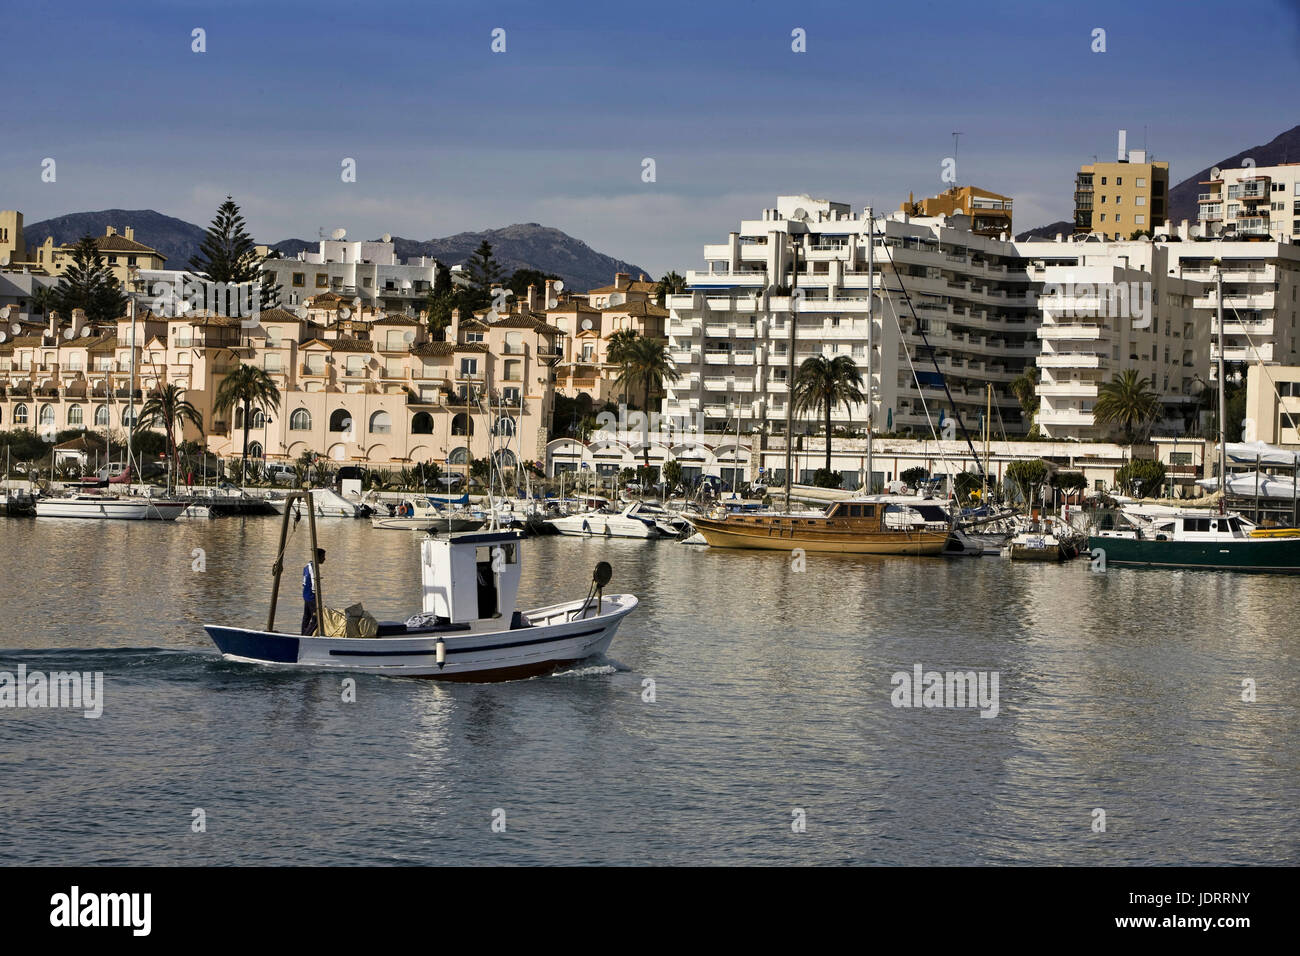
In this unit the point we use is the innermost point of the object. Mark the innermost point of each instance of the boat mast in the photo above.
(130, 400)
(984, 478)
(789, 374)
(871, 326)
(1223, 422)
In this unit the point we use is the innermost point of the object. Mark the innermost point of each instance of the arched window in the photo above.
(505, 425)
(239, 418)
(462, 424)
(341, 420)
(75, 415)
(380, 423)
(257, 418)
(506, 460)
(20, 414)
(129, 417)
(101, 416)
(422, 424)
(300, 421)
(254, 449)
(47, 415)
(458, 456)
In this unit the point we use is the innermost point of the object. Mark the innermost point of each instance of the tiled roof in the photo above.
(103, 343)
(351, 345)
(121, 243)
(639, 307)
(471, 347)
(207, 319)
(635, 286)
(397, 320)
(279, 315)
(571, 306)
(474, 324)
(433, 348)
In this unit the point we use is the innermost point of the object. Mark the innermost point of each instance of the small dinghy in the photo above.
(468, 628)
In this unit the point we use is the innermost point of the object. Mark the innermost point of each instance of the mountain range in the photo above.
(527, 245)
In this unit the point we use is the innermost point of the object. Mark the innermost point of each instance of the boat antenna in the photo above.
(943, 380)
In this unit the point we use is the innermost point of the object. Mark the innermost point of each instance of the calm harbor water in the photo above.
(772, 691)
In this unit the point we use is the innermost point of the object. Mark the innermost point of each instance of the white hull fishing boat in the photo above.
(631, 522)
(468, 629)
(325, 503)
(110, 507)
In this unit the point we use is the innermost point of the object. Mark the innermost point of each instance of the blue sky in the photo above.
(449, 136)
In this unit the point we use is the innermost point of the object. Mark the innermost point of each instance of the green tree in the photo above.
(1127, 401)
(965, 484)
(44, 298)
(822, 384)
(521, 279)
(88, 283)
(229, 255)
(1025, 388)
(247, 387)
(1028, 477)
(622, 347)
(1069, 482)
(169, 409)
(484, 274)
(673, 473)
(913, 477)
(670, 284)
(648, 365)
(1140, 473)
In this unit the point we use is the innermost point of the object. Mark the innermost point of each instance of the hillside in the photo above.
(1283, 148)
(174, 238)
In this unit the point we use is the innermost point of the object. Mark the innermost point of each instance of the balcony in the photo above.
(1068, 390)
(1070, 416)
(1070, 360)
(1070, 332)
(717, 358)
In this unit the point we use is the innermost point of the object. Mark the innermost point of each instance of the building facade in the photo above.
(369, 273)
(1252, 202)
(990, 213)
(1116, 199)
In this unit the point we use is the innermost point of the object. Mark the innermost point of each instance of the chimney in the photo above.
(1123, 143)
(130, 232)
(549, 294)
(110, 231)
(622, 280)
(643, 278)
(54, 324)
(453, 330)
(532, 297)
(78, 321)
(1183, 231)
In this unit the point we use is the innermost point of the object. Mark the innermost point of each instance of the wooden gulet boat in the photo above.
(468, 630)
(849, 527)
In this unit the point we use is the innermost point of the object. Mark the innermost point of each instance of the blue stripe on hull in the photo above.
(257, 645)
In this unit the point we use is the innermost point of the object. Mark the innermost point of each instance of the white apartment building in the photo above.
(1259, 201)
(1107, 307)
(369, 271)
(729, 334)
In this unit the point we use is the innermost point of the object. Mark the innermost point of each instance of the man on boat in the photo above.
(309, 594)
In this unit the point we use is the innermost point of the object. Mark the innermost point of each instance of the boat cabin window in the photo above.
(1196, 524)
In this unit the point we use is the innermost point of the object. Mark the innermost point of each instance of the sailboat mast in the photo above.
(871, 326)
(789, 375)
(1223, 418)
(984, 478)
(130, 400)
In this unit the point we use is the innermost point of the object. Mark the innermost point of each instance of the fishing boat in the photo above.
(1168, 537)
(412, 514)
(1036, 544)
(124, 508)
(634, 521)
(854, 526)
(17, 503)
(468, 628)
(325, 504)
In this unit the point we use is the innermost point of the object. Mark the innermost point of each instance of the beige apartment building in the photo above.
(122, 253)
(1252, 202)
(1116, 199)
(1273, 405)
(990, 213)
(376, 390)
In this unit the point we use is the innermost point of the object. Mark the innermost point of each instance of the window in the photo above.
(273, 338)
(1103, 180)
(1140, 220)
(1141, 181)
(300, 278)
(101, 416)
(20, 414)
(422, 424)
(300, 421)
(1119, 200)
(257, 418)
(1103, 199)
(255, 449)
(341, 421)
(511, 396)
(315, 363)
(47, 415)
(395, 341)
(356, 366)
(1119, 181)
(513, 370)
(468, 367)
(380, 423)
(395, 368)
(1103, 217)
(128, 417)
(458, 456)
(1118, 217)
(504, 426)
(462, 425)
(271, 362)
(130, 260)
(75, 415)
(1140, 201)
(112, 260)
(322, 280)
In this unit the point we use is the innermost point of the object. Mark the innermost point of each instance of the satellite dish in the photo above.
(406, 283)
(800, 214)
(586, 324)
(4, 260)
(4, 313)
(338, 234)
(15, 328)
(558, 285)
(387, 237)
(69, 335)
(356, 303)
(408, 338)
(300, 311)
(4, 336)
(345, 313)
(1215, 173)
(87, 332)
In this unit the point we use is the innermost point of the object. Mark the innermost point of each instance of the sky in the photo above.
(448, 135)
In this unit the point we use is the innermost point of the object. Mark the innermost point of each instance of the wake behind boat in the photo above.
(468, 628)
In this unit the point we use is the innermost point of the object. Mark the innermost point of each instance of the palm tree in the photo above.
(169, 408)
(621, 348)
(44, 298)
(822, 384)
(1128, 401)
(648, 364)
(247, 387)
(670, 284)
(1025, 388)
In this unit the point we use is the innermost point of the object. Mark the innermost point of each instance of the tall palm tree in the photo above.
(670, 284)
(247, 387)
(1128, 401)
(822, 384)
(621, 348)
(1025, 388)
(648, 364)
(169, 408)
(44, 298)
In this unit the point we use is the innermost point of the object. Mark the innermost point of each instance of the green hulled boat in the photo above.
(1188, 538)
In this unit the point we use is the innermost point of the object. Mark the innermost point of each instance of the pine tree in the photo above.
(89, 284)
(484, 274)
(229, 255)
